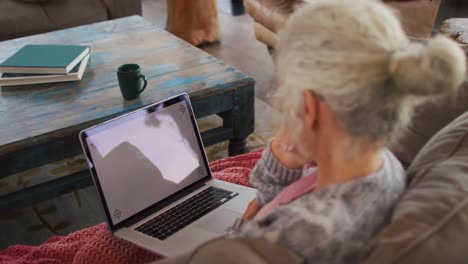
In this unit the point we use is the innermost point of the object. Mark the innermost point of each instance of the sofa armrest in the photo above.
(122, 8)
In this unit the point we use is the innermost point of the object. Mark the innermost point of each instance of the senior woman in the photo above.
(352, 79)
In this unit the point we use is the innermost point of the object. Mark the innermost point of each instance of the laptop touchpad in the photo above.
(219, 220)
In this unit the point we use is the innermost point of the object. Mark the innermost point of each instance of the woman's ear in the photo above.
(311, 109)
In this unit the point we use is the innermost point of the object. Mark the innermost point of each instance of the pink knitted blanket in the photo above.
(97, 245)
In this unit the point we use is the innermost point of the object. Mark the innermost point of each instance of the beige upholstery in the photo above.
(428, 119)
(27, 17)
(264, 35)
(270, 13)
(236, 251)
(430, 222)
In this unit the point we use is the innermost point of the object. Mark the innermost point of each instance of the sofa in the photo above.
(417, 16)
(20, 18)
(429, 223)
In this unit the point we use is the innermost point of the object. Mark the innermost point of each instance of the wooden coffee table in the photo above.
(40, 123)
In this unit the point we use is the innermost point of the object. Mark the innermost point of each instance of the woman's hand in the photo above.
(252, 210)
(284, 150)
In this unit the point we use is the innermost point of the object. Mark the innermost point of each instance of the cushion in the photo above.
(26, 18)
(36, 16)
(428, 119)
(33, 1)
(71, 13)
(430, 222)
(236, 251)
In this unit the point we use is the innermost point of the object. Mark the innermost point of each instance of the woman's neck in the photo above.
(336, 165)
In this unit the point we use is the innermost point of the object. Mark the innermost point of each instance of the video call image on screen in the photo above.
(145, 159)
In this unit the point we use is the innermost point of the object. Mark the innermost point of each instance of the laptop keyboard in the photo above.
(185, 213)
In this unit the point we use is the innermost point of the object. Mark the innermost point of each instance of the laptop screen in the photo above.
(144, 157)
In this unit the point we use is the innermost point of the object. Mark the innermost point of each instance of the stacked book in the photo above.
(34, 64)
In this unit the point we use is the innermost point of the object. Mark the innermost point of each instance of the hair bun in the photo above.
(430, 68)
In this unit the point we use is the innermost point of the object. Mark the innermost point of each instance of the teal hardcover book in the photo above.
(45, 59)
(14, 79)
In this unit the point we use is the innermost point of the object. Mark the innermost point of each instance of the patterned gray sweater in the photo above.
(332, 225)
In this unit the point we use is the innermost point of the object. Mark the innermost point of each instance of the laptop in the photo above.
(153, 179)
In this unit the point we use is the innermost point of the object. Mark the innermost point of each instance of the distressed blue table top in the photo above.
(40, 113)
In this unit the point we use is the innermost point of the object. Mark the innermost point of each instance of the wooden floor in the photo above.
(238, 46)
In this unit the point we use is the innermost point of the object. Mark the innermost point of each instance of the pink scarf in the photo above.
(289, 194)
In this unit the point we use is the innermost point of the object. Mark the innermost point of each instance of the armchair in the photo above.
(418, 16)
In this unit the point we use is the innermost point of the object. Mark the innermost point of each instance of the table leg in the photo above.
(237, 146)
(241, 119)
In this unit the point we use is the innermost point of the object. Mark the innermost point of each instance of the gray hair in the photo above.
(355, 55)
